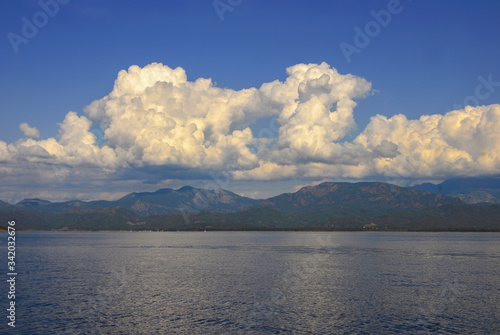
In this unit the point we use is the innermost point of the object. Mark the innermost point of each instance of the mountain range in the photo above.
(470, 190)
(327, 206)
(163, 201)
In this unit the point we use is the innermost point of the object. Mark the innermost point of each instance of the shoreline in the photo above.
(264, 230)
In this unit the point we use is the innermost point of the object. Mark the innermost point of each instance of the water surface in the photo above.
(257, 283)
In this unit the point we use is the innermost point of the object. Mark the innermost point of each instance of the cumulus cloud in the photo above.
(155, 117)
(461, 142)
(30, 132)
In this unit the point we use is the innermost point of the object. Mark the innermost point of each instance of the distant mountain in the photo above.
(475, 196)
(4, 205)
(93, 219)
(330, 206)
(44, 206)
(470, 190)
(32, 202)
(361, 195)
(185, 199)
(163, 201)
(447, 217)
(460, 184)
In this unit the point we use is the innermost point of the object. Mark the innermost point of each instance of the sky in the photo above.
(103, 98)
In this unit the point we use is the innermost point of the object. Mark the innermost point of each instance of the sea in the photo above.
(254, 283)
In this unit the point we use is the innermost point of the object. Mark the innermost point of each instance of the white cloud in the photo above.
(462, 142)
(155, 117)
(31, 132)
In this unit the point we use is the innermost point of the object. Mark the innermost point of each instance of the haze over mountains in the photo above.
(336, 206)
(470, 190)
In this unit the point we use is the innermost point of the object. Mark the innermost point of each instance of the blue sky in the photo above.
(426, 60)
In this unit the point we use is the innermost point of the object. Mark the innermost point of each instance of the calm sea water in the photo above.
(256, 283)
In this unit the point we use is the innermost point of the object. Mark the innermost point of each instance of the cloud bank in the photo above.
(155, 118)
